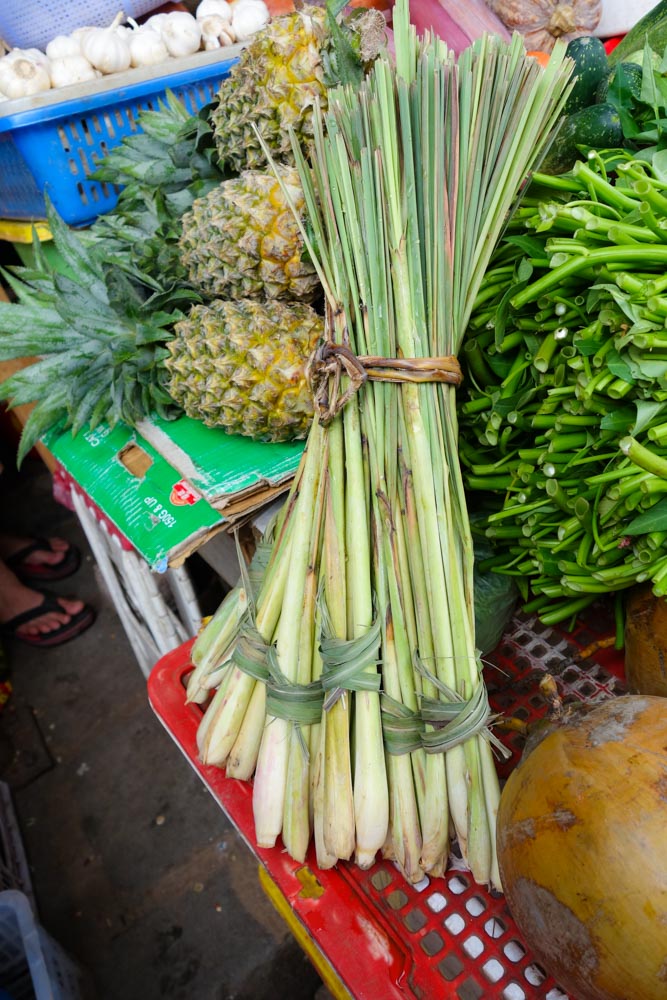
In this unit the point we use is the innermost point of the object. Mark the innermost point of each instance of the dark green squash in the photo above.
(596, 127)
(632, 81)
(591, 67)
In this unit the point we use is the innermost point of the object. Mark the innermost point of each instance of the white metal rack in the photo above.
(158, 612)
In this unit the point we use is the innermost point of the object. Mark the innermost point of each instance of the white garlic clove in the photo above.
(106, 50)
(211, 27)
(181, 33)
(66, 70)
(23, 78)
(227, 36)
(62, 46)
(155, 22)
(214, 8)
(249, 17)
(147, 48)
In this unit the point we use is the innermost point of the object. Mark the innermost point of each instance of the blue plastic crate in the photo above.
(53, 147)
(32, 965)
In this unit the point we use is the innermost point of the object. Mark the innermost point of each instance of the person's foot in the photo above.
(53, 556)
(17, 599)
(37, 561)
(20, 614)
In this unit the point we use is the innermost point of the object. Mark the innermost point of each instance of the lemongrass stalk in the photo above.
(478, 848)
(371, 797)
(338, 824)
(216, 640)
(316, 745)
(492, 800)
(404, 823)
(404, 843)
(213, 679)
(271, 772)
(485, 790)
(211, 647)
(296, 829)
(242, 758)
(223, 720)
(325, 859)
(425, 775)
(227, 710)
(434, 802)
(211, 712)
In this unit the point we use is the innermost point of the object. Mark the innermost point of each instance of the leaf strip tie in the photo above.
(454, 722)
(330, 361)
(402, 729)
(344, 663)
(252, 653)
(298, 703)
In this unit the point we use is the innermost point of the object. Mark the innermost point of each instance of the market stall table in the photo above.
(371, 934)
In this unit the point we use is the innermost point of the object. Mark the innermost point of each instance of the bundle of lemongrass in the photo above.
(348, 679)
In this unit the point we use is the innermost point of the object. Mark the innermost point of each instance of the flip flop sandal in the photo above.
(36, 573)
(75, 626)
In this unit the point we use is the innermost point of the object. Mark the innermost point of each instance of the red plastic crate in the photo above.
(444, 937)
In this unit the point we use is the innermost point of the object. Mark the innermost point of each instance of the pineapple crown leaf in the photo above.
(44, 416)
(341, 63)
(22, 287)
(354, 41)
(73, 253)
(82, 410)
(17, 319)
(101, 410)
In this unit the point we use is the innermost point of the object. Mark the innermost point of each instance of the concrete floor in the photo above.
(136, 871)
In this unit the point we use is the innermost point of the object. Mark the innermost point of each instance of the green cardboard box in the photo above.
(235, 474)
(171, 487)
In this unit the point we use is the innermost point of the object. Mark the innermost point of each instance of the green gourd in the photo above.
(597, 127)
(590, 68)
(652, 26)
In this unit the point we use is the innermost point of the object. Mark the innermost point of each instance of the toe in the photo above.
(71, 607)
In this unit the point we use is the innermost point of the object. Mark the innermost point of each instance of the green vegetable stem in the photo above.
(564, 426)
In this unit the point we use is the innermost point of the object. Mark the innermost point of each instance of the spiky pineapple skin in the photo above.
(241, 366)
(273, 86)
(242, 240)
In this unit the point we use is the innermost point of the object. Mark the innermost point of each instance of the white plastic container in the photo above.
(30, 24)
(618, 16)
(32, 964)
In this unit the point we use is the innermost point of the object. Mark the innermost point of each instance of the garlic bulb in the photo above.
(21, 77)
(37, 56)
(65, 70)
(214, 8)
(106, 50)
(62, 46)
(216, 32)
(249, 17)
(181, 33)
(80, 33)
(34, 55)
(155, 22)
(147, 47)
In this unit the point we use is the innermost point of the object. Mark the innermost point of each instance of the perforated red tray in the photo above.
(445, 937)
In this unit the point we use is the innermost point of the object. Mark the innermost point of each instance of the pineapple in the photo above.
(241, 240)
(285, 69)
(100, 345)
(241, 366)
